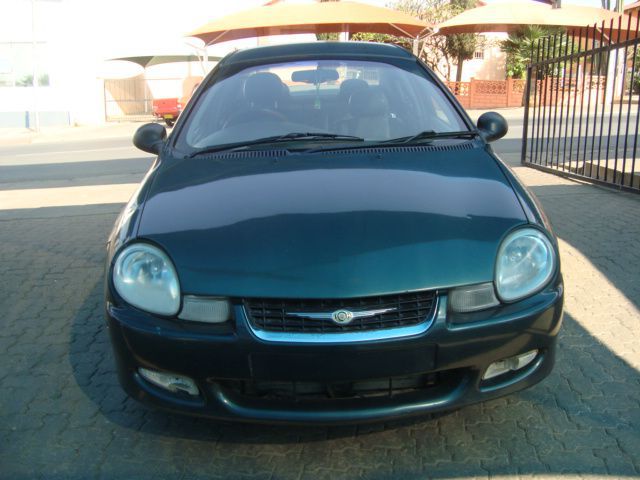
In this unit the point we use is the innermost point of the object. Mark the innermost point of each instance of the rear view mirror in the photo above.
(316, 77)
(492, 126)
(150, 137)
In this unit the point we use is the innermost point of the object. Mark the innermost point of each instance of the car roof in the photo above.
(314, 49)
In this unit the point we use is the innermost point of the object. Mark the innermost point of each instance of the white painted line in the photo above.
(63, 152)
(66, 196)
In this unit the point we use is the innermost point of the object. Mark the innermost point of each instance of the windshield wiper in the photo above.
(275, 139)
(318, 135)
(422, 136)
(431, 134)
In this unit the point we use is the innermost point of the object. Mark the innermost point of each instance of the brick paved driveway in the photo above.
(62, 414)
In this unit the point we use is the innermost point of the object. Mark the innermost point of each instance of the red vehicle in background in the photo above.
(167, 109)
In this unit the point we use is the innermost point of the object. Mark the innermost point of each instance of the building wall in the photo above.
(19, 27)
(74, 39)
(492, 65)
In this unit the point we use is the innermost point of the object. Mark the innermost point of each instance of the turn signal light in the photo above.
(205, 309)
(471, 298)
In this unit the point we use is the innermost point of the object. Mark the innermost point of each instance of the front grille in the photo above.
(276, 314)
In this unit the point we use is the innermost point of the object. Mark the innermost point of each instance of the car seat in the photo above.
(263, 92)
(369, 115)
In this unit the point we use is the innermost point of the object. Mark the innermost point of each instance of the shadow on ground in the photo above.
(74, 174)
(63, 414)
(583, 419)
(602, 224)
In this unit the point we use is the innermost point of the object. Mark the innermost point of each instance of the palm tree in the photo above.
(518, 47)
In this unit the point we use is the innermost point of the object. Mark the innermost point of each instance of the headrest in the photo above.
(263, 89)
(348, 87)
(364, 103)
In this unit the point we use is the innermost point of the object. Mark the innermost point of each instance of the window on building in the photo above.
(5, 72)
(16, 64)
(478, 55)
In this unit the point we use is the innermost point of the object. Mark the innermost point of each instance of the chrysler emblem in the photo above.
(342, 317)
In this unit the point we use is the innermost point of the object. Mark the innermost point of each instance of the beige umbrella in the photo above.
(317, 17)
(508, 17)
(150, 60)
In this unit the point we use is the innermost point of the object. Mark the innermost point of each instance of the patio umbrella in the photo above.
(149, 60)
(317, 17)
(508, 17)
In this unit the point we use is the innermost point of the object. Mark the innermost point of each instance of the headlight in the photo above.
(526, 262)
(144, 277)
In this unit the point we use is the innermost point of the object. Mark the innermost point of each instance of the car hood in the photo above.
(331, 225)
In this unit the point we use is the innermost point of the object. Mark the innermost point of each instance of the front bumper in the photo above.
(454, 353)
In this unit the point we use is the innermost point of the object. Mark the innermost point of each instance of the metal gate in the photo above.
(581, 104)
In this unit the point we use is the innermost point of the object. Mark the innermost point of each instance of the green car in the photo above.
(325, 238)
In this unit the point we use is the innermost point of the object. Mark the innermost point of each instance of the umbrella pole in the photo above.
(204, 61)
(344, 35)
(424, 43)
(200, 58)
(34, 83)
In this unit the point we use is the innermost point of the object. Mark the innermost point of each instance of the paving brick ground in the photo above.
(63, 415)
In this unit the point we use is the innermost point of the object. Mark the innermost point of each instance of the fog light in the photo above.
(509, 364)
(170, 381)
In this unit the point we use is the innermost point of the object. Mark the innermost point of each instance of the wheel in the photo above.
(169, 122)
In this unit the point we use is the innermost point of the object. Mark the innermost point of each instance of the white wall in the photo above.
(493, 65)
(82, 34)
(16, 26)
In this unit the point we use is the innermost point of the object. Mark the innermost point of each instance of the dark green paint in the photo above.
(331, 225)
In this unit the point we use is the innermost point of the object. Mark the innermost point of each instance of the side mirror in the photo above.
(150, 137)
(492, 126)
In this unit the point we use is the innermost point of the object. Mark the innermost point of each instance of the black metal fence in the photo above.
(581, 104)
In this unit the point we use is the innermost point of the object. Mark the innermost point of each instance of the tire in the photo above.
(169, 122)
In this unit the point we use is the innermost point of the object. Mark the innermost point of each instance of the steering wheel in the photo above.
(254, 115)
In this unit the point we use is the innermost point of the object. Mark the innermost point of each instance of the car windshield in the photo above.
(366, 100)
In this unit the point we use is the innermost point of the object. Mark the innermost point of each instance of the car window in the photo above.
(373, 100)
